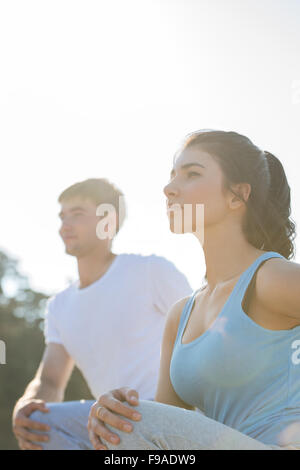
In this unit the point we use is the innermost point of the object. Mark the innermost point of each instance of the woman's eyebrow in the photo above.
(187, 165)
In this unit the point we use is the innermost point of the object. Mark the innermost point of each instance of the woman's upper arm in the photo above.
(165, 392)
(277, 287)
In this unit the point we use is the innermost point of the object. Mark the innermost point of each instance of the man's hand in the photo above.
(103, 411)
(22, 424)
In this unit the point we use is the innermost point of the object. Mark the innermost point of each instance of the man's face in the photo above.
(78, 226)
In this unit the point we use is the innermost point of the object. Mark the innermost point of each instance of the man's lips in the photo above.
(69, 237)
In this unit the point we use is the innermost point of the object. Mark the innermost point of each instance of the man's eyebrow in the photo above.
(73, 209)
(77, 208)
(187, 165)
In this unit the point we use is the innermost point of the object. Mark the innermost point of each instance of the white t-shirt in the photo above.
(113, 328)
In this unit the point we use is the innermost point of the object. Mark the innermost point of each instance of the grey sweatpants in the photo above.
(162, 427)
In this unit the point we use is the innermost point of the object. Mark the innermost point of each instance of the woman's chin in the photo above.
(177, 230)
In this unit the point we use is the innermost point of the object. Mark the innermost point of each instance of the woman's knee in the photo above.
(143, 434)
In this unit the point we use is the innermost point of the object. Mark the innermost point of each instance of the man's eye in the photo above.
(193, 173)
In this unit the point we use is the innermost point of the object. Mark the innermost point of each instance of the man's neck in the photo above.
(93, 266)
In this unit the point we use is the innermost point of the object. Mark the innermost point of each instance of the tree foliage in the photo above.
(21, 328)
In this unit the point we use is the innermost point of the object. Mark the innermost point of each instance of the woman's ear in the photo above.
(240, 193)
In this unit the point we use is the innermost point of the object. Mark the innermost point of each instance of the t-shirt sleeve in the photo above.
(168, 283)
(51, 332)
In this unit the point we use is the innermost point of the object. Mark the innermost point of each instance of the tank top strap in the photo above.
(246, 277)
(185, 314)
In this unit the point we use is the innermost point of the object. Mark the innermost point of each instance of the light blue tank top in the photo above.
(239, 373)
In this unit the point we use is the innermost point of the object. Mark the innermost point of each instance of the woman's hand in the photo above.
(103, 411)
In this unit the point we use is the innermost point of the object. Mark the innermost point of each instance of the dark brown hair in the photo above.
(267, 224)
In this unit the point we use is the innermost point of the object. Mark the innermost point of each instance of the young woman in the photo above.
(232, 349)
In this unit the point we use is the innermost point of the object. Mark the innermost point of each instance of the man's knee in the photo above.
(44, 417)
(60, 433)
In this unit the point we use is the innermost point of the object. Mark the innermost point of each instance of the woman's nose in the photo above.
(170, 190)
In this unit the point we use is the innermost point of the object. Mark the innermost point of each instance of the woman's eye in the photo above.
(193, 173)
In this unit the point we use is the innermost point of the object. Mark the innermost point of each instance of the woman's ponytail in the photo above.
(280, 229)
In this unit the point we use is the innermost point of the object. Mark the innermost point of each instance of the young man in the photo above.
(109, 323)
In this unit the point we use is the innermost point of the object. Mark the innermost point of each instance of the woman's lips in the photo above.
(175, 207)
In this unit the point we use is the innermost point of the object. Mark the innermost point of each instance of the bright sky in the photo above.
(109, 89)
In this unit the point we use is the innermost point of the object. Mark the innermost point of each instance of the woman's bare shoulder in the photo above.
(175, 312)
(277, 286)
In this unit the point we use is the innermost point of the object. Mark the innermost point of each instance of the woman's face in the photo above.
(196, 179)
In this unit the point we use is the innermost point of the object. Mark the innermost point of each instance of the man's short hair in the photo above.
(99, 191)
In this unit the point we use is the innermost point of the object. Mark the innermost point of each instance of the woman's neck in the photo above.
(227, 253)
